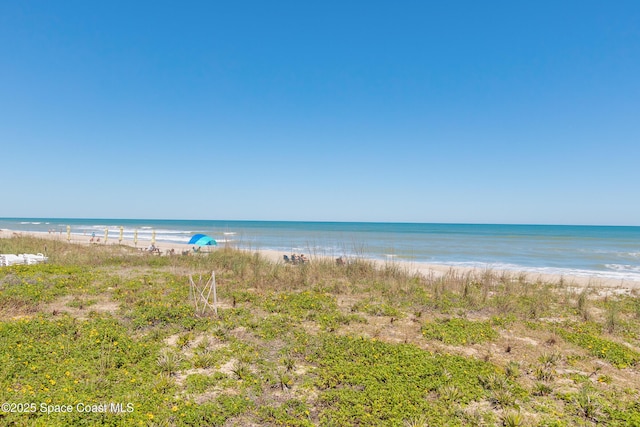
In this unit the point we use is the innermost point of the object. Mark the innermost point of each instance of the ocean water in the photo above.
(597, 251)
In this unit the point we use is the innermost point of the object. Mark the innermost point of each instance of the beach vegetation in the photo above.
(589, 337)
(582, 304)
(314, 344)
(459, 331)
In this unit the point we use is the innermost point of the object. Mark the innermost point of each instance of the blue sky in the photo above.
(467, 111)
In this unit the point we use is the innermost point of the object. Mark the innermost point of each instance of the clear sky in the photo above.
(420, 111)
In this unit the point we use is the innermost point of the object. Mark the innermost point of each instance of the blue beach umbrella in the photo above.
(202, 240)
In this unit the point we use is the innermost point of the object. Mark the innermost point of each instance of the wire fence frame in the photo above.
(200, 294)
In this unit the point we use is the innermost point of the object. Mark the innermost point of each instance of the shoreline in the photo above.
(438, 270)
(422, 268)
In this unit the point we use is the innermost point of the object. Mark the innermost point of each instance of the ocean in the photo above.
(594, 251)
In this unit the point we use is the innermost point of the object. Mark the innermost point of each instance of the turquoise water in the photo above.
(598, 251)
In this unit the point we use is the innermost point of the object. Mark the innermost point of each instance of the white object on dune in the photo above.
(34, 259)
(11, 259)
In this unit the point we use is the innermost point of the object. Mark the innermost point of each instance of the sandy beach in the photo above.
(426, 269)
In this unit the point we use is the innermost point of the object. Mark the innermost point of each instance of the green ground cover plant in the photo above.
(588, 336)
(459, 331)
(52, 360)
(368, 382)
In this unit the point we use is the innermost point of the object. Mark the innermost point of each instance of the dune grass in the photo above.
(313, 344)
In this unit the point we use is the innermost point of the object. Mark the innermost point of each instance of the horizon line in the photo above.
(325, 221)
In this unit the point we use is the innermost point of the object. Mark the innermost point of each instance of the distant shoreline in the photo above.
(423, 268)
(114, 221)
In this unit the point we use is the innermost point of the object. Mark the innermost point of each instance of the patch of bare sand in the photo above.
(385, 328)
(80, 308)
(212, 343)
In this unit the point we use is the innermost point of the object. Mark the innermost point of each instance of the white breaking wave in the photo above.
(624, 267)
